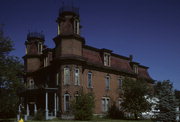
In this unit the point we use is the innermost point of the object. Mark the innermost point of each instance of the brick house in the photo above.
(54, 76)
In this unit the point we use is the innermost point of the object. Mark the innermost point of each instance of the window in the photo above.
(105, 104)
(76, 96)
(40, 48)
(76, 76)
(58, 29)
(135, 69)
(107, 80)
(119, 103)
(57, 79)
(66, 75)
(76, 26)
(66, 102)
(31, 84)
(106, 59)
(120, 83)
(45, 61)
(89, 79)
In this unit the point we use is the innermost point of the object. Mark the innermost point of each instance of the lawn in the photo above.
(102, 120)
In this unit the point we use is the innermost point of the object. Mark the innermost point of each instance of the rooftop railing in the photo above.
(69, 9)
(35, 35)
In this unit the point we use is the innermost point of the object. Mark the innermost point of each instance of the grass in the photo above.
(99, 120)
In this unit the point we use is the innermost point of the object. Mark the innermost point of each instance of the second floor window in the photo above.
(76, 76)
(106, 59)
(66, 75)
(89, 79)
(107, 80)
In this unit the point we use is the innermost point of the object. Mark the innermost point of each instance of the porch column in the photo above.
(46, 109)
(55, 111)
(35, 108)
(27, 110)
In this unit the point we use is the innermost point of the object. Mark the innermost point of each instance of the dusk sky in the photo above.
(147, 29)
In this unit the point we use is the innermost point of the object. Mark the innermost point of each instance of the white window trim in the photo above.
(45, 61)
(59, 29)
(65, 107)
(31, 85)
(107, 59)
(105, 105)
(135, 69)
(120, 100)
(76, 26)
(66, 80)
(76, 78)
(91, 86)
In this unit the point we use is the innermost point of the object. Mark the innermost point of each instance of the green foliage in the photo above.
(134, 101)
(10, 78)
(83, 106)
(167, 101)
(115, 113)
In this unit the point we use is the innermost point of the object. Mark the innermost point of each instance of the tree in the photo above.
(10, 76)
(83, 106)
(135, 96)
(166, 101)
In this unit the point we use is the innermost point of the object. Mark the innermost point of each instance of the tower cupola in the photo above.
(34, 43)
(68, 21)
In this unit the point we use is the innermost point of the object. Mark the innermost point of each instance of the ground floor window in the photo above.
(105, 104)
(66, 102)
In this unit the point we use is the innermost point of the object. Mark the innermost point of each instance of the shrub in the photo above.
(115, 113)
(83, 106)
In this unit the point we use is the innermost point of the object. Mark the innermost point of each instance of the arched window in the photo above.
(76, 76)
(89, 80)
(107, 82)
(105, 104)
(66, 75)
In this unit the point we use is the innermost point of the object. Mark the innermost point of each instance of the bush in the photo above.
(115, 113)
(39, 115)
(83, 106)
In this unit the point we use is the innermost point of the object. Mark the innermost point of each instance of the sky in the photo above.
(147, 29)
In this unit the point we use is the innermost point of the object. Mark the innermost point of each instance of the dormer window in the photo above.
(107, 59)
(135, 68)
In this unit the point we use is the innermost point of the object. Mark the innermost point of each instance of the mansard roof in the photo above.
(118, 62)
